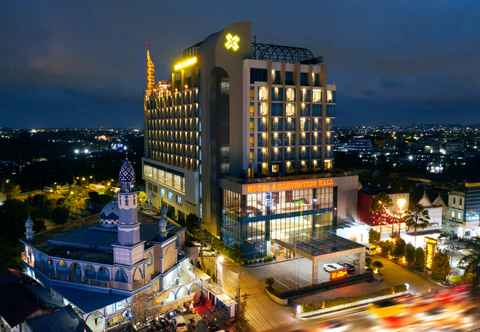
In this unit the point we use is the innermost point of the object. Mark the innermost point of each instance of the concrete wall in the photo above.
(347, 192)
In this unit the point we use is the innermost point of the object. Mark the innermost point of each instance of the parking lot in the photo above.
(295, 273)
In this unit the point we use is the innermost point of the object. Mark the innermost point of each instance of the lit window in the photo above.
(170, 196)
(317, 95)
(263, 108)
(290, 94)
(290, 109)
(262, 93)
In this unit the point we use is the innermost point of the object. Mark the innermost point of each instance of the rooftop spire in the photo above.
(150, 74)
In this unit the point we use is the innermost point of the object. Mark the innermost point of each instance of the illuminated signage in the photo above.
(184, 63)
(287, 185)
(231, 42)
(339, 274)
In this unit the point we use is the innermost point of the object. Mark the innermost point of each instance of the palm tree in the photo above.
(417, 218)
(471, 261)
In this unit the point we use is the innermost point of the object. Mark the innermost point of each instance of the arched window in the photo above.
(121, 276)
(103, 274)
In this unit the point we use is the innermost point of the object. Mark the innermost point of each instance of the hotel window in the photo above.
(290, 94)
(264, 108)
(258, 75)
(330, 96)
(317, 95)
(277, 94)
(316, 80)
(277, 109)
(289, 78)
(290, 109)
(262, 93)
(277, 78)
(303, 78)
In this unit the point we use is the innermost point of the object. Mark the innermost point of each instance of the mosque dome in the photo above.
(110, 214)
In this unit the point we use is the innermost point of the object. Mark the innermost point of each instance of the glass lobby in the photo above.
(252, 221)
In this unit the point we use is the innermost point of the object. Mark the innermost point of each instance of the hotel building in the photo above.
(241, 137)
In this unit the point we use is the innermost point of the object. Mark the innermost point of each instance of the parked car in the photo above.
(349, 267)
(332, 267)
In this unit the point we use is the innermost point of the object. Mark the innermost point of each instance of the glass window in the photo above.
(258, 75)
(303, 78)
(262, 93)
(289, 78)
(277, 94)
(277, 109)
(290, 109)
(290, 94)
(317, 95)
(264, 108)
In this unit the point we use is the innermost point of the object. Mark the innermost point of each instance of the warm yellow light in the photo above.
(185, 63)
(401, 202)
(231, 42)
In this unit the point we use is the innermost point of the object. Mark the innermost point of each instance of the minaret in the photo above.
(128, 226)
(150, 75)
(129, 249)
(29, 229)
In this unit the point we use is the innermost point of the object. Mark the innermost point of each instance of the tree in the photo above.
(399, 248)
(417, 218)
(373, 236)
(12, 190)
(410, 254)
(386, 247)
(419, 259)
(377, 265)
(60, 215)
(440, 266)
(471, 262)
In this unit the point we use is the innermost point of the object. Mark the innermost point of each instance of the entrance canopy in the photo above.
(327, 248)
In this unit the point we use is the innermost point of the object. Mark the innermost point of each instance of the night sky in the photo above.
(82, 63)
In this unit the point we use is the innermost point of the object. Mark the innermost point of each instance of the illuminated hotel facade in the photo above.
(240, 137)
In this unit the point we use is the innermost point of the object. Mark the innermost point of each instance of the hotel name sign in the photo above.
(287, 185)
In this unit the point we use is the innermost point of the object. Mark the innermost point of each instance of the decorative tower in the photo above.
(150, 75)
(29, 229)
(129, 248)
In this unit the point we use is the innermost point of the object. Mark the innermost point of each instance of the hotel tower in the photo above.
(240, 136)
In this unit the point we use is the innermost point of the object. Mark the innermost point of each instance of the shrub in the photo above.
(410, 254)
(419, 259)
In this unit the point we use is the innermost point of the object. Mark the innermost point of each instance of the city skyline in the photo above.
(81, 67)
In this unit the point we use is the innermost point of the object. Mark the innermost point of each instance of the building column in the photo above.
(314, 271)
(361, 261)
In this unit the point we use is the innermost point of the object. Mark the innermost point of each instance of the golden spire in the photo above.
(150, 74)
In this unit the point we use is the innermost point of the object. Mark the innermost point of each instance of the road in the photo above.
(263, 315)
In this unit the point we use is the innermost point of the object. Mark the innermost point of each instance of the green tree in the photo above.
(471, 262)
(419, 259)
(386, 247)
(440, 266)
(399, 248)
(417, 218)
(410, 254)
(373, 236)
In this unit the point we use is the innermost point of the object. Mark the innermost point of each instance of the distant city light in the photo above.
(76, 151)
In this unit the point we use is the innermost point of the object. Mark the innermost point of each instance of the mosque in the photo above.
(99, 269)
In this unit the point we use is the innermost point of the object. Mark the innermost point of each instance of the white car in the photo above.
(332, 267)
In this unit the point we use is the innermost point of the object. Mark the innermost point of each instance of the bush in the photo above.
(440, 266)
(419, 259)
(398, 248)
(386, 247)
(410, 255)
